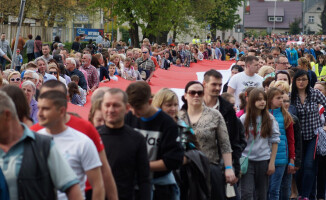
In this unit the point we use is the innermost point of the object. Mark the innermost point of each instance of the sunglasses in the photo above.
(144, 52)
(15, 79)
(55, 73)
(200, 93)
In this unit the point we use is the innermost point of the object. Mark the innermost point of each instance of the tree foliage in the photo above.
(295, 27)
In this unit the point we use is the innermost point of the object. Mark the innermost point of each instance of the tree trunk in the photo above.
(323, 18)
(134, 34)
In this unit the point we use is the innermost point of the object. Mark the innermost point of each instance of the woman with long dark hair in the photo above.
(307, 100)
(209, 127)
(37, 47)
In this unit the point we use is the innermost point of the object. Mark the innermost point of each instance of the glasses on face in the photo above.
(200, 93)
(144, 52)
(28, 78)
(55, 73)
(302, 79)
(284, 63)
(286, 101)
(15, 79)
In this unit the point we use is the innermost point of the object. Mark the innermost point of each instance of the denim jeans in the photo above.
(306, 179)
(286, 184)
(275, 181)
(3, 62)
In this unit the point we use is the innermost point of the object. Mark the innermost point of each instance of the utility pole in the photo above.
(20, 20)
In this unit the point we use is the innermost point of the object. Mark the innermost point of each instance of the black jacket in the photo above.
(194, 178)
(297, 141)
(234, 130)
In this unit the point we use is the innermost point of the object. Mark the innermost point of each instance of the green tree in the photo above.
(295, 27)
(223, 16)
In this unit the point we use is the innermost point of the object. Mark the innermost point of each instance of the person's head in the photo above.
(145, 52)
(194, 94)
(244, 96)
(3, 36)
(283, 76)
(98, 93)
(130, 54)
(42, 65)
(275, 52)
(282, 85)
(178, 61)
(127, 62)
(86, 60)
(14, 78)
(265, 70)
(53, 70)
(241, 62)
(230, 98)
(31, 66)
(168, 101)
(53, 85)
(274, 98)
(70, 64)
(286, 101)
(95, 62)
(261, 61)
(114, 107)
(29, 89)
(252, 65)
(95, 114)
(20, 101)
(213, 81)
(304, 64)
(75, 78)
(52, 108)
(270, 60)
(300, 82)
(38, 37)
(45, 49)
(139, 97)
(86, 51)
(112, 69)
(72, 89)
(281, 63)
(309, 57)
(257, 107)
(267, 82)
(7, 112)
(77, 38)
(321, 86)
(236, 69)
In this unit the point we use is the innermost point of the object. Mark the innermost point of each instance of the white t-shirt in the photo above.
(79, 151)
(114, 78)
(241, 81)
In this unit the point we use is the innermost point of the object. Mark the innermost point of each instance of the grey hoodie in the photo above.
(261, 149)
(4, 45)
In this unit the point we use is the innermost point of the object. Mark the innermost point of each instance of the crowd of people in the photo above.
(259, 136)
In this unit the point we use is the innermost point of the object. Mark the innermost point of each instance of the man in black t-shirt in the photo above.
(125, 148)
(161, 133)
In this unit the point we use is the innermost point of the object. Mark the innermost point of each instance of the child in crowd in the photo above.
(178, 62)
(284, 163)
(75, 78)
(243, 101)
(165, 62)
(112, 71)
(262, 135)
(135, 66)
(74, 94)
(128, 71)
(18, 60)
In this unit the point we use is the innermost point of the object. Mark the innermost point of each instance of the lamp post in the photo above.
(20, 20)
(274, 16)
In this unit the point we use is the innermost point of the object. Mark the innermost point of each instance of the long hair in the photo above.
(294, 91)
(72, 89)
(271, 93)
(253, 112)
(185, 105)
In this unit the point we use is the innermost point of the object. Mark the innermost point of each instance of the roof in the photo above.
(260, 10)
(279, 12)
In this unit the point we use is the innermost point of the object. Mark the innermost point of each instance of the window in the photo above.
(311, 19)
(277, 19)
(318, 9)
